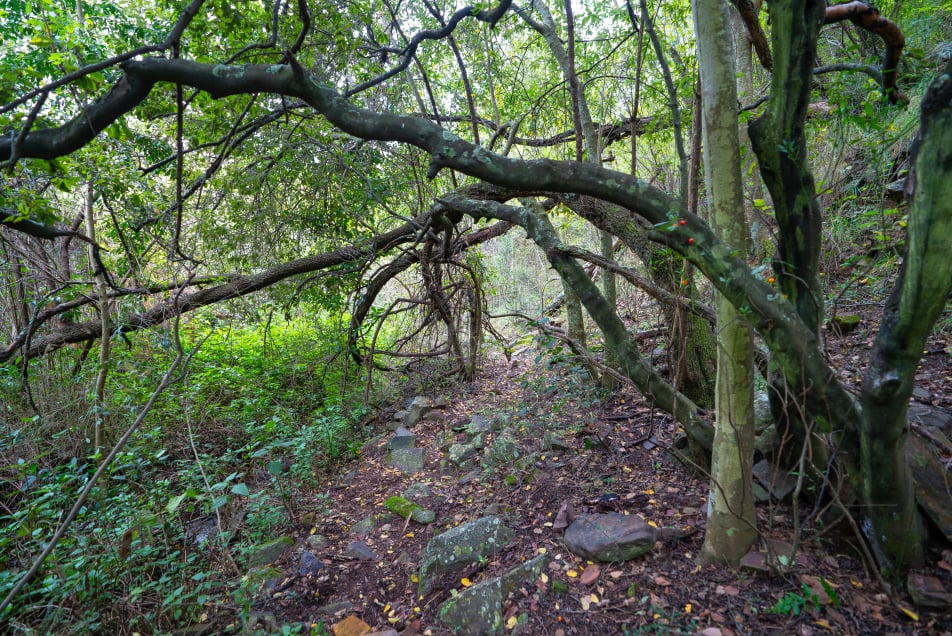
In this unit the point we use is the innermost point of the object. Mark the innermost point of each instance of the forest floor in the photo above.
(618, 462)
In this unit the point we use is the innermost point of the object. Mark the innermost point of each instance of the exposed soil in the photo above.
(618, 462)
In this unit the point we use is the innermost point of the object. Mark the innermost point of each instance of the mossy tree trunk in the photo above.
(913, 307)
(731, 518)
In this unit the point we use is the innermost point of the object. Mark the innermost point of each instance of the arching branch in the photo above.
(868, 17)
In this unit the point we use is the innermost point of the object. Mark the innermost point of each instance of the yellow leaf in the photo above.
(593, 597)
(465, 581)
(652, 524)
(541, 550)
(856, 583)
(408, 535)
(571, 574)
(414, 578)
(687, 608)
(649, 492)
(908, 612)
(544, 577)
(825, 624)
(512, 622)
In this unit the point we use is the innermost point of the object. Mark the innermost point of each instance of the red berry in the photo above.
(690, 241)
(683, 222)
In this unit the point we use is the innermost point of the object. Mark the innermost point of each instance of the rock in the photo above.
(264, 580)
(460, 546)
(338, 607)
(372, 446)
(419, 407)
(504, 449)
(316, 541)
(200, 530)
(260, 623)
(551, 441)
(609, 537)
(386, 632)
(931, 483)
(407, 460)
(360, 551)
(418, 490)
(309, 564)
(407, 509)
(270, 552)
(402, 438)
(365, 526)
(931, 417)
(459, 453)
(479, 424)
(777, 482)
(843, 323)
(479, 609)
(927, 591)
(351, 626)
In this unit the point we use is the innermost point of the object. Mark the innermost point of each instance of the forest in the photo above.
(408, 317)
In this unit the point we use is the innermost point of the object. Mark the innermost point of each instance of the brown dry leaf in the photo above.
(816, 587)
(663, 582)
(590, 575)
(351, 626)
(712, 631)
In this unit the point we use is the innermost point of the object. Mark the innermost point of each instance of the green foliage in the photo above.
(249, 405)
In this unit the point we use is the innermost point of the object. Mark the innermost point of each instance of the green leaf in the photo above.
(241, 490)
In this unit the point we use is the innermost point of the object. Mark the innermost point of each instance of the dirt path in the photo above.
(616, 461)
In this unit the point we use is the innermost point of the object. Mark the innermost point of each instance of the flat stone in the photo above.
(316, 541)
(338, 607)
(360, 551)
(407, 460)
(479, 609)
(270, 552)
(610, 537)
(460, 546)
(777, 482)
(417, 490)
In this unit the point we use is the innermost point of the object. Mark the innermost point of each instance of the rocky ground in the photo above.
(505, 463)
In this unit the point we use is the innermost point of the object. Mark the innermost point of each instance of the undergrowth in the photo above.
(234, 447)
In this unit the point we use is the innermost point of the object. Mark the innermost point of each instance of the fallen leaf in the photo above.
(571, 574)
(908, 612)
(512, 622)
(465, 581)
(590, 575)
(660, 580)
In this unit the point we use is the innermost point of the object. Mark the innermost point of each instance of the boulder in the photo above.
(610, 537)
(269, 552)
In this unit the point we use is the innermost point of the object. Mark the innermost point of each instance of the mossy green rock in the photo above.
(407, 509)
(270, 552)
(479, 609)
(460, 546)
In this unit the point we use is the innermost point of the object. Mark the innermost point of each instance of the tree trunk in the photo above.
(916, 301)
(731, 519)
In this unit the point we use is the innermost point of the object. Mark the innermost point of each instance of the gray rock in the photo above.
(269, 552)
(418, 490)
(479, 609)
(336, 608)
(504, 450)
(552, 441)
(407, 460)
(365, 526)
(460, 546)
(316, 541)
(200, 530)
(264, 580)
(610, 537)
(419, 407)
(479, 424)
(309, 564)
(777, 482)
(931, 416)
(360, 551)
(402, 438)
(459, 453)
